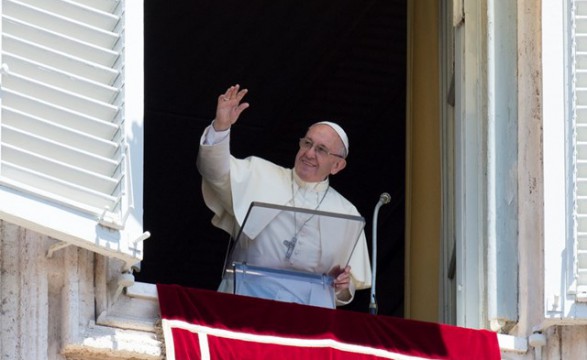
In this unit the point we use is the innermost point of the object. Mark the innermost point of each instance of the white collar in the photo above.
(313, 186)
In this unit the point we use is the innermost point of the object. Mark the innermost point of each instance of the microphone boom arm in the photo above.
(385, 198)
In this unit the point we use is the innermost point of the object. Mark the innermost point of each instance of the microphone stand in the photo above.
(383, 199)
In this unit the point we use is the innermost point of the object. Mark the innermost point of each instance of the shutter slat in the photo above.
(110, 6)
(59, 152)
(76, 66)
(60, 79)
(54, 95)
(59, 133)
(58, 42)
(59, 24)
(52, 187)
(65, 117)
(94, 16)
(50, 167)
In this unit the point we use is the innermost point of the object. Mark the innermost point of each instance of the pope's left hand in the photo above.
(342, 280)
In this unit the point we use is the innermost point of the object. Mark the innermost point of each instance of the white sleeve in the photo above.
(212, 137)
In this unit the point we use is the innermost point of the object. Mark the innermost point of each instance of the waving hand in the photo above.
(229, 107)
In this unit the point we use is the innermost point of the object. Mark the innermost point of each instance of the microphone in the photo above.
(384, 198)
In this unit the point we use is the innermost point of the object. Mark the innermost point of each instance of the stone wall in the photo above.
(63, 302)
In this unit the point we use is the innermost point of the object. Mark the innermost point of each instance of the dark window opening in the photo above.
(302, 62)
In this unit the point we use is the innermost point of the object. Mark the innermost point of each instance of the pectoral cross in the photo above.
(291, 244)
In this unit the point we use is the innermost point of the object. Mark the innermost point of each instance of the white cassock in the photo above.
(230, 185)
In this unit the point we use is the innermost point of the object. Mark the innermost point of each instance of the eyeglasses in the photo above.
(320, 150)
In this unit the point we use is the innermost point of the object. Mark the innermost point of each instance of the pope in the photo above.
(230, 185)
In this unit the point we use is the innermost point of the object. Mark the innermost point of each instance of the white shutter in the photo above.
(579, 80)
(564, 86)
(68, 134)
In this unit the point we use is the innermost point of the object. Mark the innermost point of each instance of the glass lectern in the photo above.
(290, 254)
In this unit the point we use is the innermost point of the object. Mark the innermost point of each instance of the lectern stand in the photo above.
(290, 254)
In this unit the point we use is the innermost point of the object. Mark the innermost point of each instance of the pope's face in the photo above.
(314, 166)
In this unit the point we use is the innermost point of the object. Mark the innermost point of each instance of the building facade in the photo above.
(495, 180)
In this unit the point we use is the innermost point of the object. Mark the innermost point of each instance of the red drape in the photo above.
(203, 324)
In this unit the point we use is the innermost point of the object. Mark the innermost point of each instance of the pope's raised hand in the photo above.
(229, 107)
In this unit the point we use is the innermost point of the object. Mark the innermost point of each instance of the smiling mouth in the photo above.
(307, 162)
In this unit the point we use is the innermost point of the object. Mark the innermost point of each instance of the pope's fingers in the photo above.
(346, 271)
(341, 285)
(342, 279)
(241, 94)
(239, 109)
(227, 94)
(233, 93)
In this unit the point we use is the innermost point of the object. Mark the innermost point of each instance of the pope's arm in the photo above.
(213, 160)
(213, 163)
